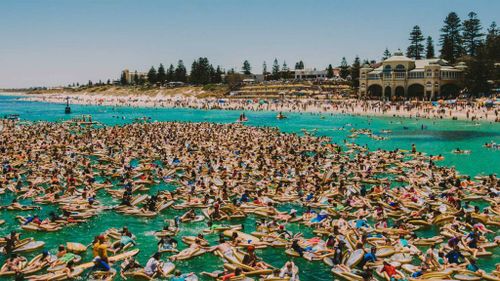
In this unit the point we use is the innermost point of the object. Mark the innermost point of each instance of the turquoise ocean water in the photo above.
(439, 137)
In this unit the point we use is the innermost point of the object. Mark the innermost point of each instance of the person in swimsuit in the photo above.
(129, 265)
(167, 243)
(153, 266)
(224, 247)
(288, 271)
(10, 241)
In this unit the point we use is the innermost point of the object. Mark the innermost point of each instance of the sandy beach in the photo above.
(473, 112)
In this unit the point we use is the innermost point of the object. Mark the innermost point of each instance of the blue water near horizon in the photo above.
(439, 137)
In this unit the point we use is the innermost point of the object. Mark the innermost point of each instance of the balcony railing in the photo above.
(403, 75)
(374, 77)
(416, 75)
(399, 75)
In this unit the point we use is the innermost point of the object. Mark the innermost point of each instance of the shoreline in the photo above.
(351, 107)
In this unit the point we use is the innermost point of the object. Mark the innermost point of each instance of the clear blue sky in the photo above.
(56, 42)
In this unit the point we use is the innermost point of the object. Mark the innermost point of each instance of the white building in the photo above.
(305, 74)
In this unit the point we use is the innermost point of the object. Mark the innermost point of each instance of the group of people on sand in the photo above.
(474, 111)
(394, 213)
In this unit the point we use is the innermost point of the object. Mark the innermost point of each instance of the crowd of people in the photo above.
(367, 211)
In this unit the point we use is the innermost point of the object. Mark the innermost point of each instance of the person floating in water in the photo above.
(242, 118)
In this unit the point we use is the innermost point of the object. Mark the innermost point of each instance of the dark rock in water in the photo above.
(442, 135)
